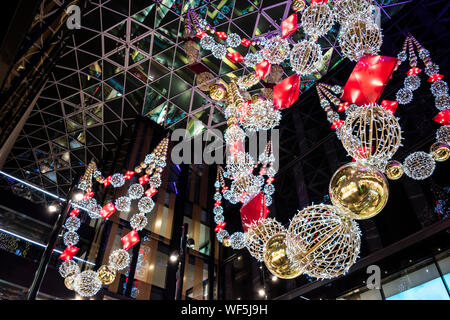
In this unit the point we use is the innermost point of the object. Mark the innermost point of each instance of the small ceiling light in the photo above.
(78, 196)
(52, 208)
(173, 257)
(158, 223)
(274, 278)
(261, 292)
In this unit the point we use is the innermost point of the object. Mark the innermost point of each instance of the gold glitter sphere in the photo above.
(360, 191)
(204, 80)
(394, 170)
(68, 282)
(226, 241)
(218, 92)
(276, 259)
(106, 274)
(440, 151)
(298, 5)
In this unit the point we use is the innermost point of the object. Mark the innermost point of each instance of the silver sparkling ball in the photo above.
(217, 184)
(268, 200)
(68, 268)
(87, 284)
(404, 96)
(271, 171)
(217, 196)
(219, 51)
(221, 235)
(423, 54)
(412, 82)
(443, 134)
(419, 165)
(72, 223)
(95, 214)
(252, 59)
(161, 162)
(218, 210)
(336, 89)
(443, 102)
(227, 194)
(402, 56)
(71, 238)
(218, 218)
(352, 107)
(431, 69)
(207, 42)
(237, 240)
(149, 158)
(276, 50)
(146, 204)
(123, 203)
(155, 181)
(269, 189)
(332, 117)
(135, 191)
(324, 103)
(138, 221)
(233, 40)
(117, 180)
(119, 259)
(439, 88)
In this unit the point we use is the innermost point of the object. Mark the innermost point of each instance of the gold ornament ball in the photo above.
(394, 170)
(226, 241)
(106, 274)
(276, 259)
(440, 151)
(68, 282)
(360, 191)
(298, 5)
(218, 92)
(204, 80)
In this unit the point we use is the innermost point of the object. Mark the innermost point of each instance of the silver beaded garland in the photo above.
(412, 82)
(146, 204)
(233, 40)
(123, 203)
(135, 191)
(404, 96)
(71, 238)
(117, 180)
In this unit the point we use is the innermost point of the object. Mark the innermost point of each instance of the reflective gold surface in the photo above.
(68, 282)
(276, 260)
(217, 92)
(106, 274)
(360, 191)
(226, 241)
(394, 170)
(298, 5)
(440, 151)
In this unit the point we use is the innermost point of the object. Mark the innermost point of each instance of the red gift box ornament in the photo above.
(69, 252)
(368, 79)
(107, 210)
(343, 106)
(200, 34)
(107, 181)
(245, 42)
(130, 239)
(263, 69)
(289, 26)
(74, 212)
(413, 71)
(337, 124)
(254, 210)
(443, 117)
(235, 57)
(221, 34)
(435, 77)
(144, 179)
(151, 192)
(128, 175)
(286, 92)
(389, 105)
(220, 227)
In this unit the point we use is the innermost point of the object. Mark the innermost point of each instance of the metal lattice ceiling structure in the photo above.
(128, 59)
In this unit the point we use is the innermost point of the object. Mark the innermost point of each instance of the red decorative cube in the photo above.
(130, 239)
(254, 210)
(435, 77)
(263, 69)
(368, 79)
(221, 34)
(235, 57)
(69, 252)
(337, 124)
(289, 26)
(220, 227)
(107, 181)
(286, 92)
(343, 106)
(107, 210)
(413, 71)
(88, 195)
(245, 42)
(144, 179)
(74, 212)
(151, 192)
(200, 34)
(128, 175)
(270, 180)
(443, 117)
(390, 105)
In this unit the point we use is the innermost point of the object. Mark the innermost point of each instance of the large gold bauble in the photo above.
(371, 133)
(204, 80)
(276, 259)
(106, 274)
(298, 5)
(259, 233)
(394, 170)
(440, 151)
(68, 282)
(322, 241)
(360, 191)
(218, 92)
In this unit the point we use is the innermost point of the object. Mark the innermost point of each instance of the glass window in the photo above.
(362, 294)
(443, 261)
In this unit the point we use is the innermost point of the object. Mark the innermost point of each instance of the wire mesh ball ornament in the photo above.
(419, 165)
(155, 181)
(221, 235)
(442, 102)
(323, 242)
(443, 134)
(138, 221)
(371, 134)
(117, 180)
(404, 96)
(106, 274)
(233, 40)
(261, 116)
(233, 134)
(394, 170)
(146, 204)
(219, 51)
(439, 88)
(71, 238)
(440, 151)
(119, 259)
(237, 240)
(72, 223)
(87, 284)
(259, 233)
(244, 187)
(207, 42)
(276, 50)
(240, 164)
(205, 80)
(123, 203)
(431, 69)
(135, 191)
(317, 20)
(252, 59)
(276, 258)
(68, 268)
(359, 37)
(412, 82)
(217, 92)
(345, 10)
(361, 192)
(306, 57)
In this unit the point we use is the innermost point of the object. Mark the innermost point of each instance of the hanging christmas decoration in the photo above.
(346, 10)
(276, 50)
(317, 19)
(259, 233)
(419, 165)
(306, 57)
